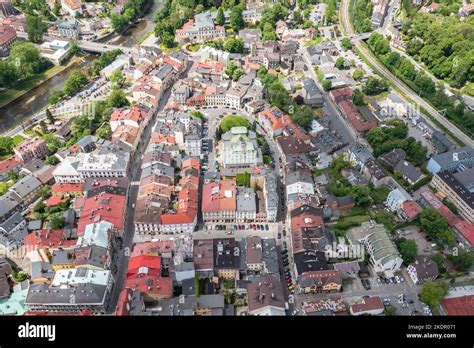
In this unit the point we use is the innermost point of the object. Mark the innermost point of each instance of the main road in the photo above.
(347, 25)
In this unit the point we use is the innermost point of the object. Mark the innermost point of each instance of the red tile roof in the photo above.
(463, 305)
(411, 209)
(306, 220)
(355, 118)
(151, 285)
(148, 263)
(179, 218)
(65, 188)
(102, 207)
(138, 114)
(448, 215)
(54, 201)
(368, 304)
(48, 238)
(6, 34)
(466, 230)
(9, 163)
(191, 163)
(151, 248)
(210, 197)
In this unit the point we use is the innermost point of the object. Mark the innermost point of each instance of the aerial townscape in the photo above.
(237, 157)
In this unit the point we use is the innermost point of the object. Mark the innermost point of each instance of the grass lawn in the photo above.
(17, 140)
(469, 89)
(314, 42)
(354, 219)
(10, 94)
(380, 195)
(194, 48)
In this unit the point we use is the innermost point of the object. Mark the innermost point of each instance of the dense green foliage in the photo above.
(361, 15)
(330, 14)
(445, 45)
(132, 9)
(433, 292)
(436, 226)
(23, 62)
(302, 115)
(233, 121)
(463, 260)
(374, 86)
(271, 15)
(422, 83)
(384, 139)
(105, 59)
(234, 45)
(173, 15)
(408, 249)
(234, 70)
(36, 28)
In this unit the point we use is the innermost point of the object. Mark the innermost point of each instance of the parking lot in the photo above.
(210, 231)
(413, 233)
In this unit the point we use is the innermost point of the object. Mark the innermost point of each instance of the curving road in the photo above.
(347, 25)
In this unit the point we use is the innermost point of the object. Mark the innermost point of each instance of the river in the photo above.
(36, 99)
(33, 101)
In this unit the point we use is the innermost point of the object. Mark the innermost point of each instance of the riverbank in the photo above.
(10, 95)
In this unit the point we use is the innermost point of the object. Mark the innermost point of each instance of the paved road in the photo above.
(338, 122)
(400, 85)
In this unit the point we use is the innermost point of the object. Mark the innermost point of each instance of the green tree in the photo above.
(268, 32)
(35, 28)
(104, 132)
(220, 18)
(374, 86)
(52, 160)
(119, 22)
(234, 45)
(13, 175)
(6, 146)
(50, 117)
(361, 15)
(436, 226)
(199, 9)
(327, 85)
(340, 63)
(168, 40)
(9, 74)
(234, 70)
(237, 18)
(26, 58)
(358, 97)
(117, 79)
(346, 43)
(57, 221)
(361, 195)
(408, 249)
(440, 261)
(433, 292)
(197, 287)
(75, 82)
(463, 260)
(358, 74)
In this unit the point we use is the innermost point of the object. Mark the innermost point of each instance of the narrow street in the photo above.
(129, 229)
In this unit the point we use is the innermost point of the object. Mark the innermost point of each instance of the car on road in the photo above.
(279, 235)
(284, 245)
